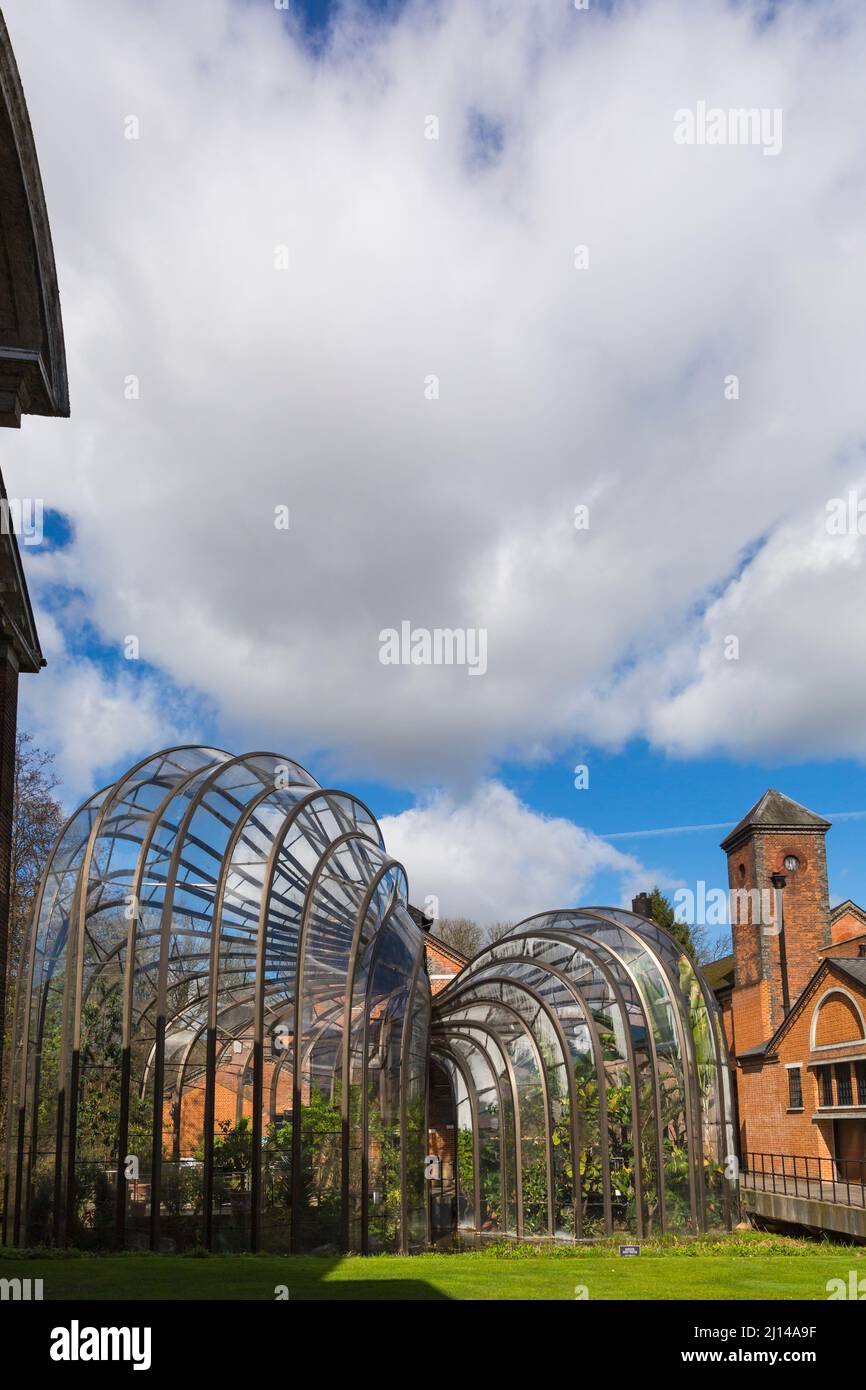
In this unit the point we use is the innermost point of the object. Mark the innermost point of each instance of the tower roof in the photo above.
(775, 811)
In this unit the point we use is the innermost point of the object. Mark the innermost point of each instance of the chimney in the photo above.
(641, 906)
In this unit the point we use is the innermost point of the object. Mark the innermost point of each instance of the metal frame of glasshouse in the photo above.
(223, 1036)
(589, 1068)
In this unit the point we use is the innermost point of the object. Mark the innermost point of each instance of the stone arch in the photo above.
(836, 1019)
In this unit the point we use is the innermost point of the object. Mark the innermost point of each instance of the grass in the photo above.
(742, 1266)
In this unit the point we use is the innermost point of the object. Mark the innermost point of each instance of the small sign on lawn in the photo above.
(629, 1249)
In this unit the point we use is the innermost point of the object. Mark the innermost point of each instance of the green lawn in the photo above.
(737, 1267)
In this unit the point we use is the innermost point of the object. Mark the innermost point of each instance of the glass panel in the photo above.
(106, 935)
(487, 1105)
(387, 998)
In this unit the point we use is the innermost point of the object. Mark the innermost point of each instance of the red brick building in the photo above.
(443, 962)
(793, 994)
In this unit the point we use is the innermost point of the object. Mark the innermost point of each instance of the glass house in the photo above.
(581, 1064)
(224, 1036)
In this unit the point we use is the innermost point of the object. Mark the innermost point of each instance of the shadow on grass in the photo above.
(316, 1286)
(180, 1279)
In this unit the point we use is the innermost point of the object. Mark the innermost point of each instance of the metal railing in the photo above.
(841, 1180)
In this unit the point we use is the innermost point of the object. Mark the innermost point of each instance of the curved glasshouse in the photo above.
(223, 1036)
(225, 990)
(581, 1066)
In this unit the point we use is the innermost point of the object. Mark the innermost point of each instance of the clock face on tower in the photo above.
(792, 863)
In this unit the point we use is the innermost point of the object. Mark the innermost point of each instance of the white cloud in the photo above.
(798, 680)
(494, 859)
(96, 721)
(409, 257)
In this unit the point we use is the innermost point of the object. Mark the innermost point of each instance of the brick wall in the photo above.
(725, 1002)
(768, 1124)
(837, 1021)
(850, 947)
(846, 926)
(440, 966)
(751, 1015)
(762, 1113)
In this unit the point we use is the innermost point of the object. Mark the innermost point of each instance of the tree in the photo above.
(460, 932)
(466, 936)
(692, 938)
(233, 1149)
(37, 821)
(37, 818)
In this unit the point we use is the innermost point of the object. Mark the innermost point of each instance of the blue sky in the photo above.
(261, 284)
(671, 814)
(638, 790)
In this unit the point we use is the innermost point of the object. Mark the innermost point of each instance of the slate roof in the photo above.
(775, 811)
(420, 918)
(719, 974)
(853, 966)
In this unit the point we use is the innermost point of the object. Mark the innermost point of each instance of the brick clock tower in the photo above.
(777, 873)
